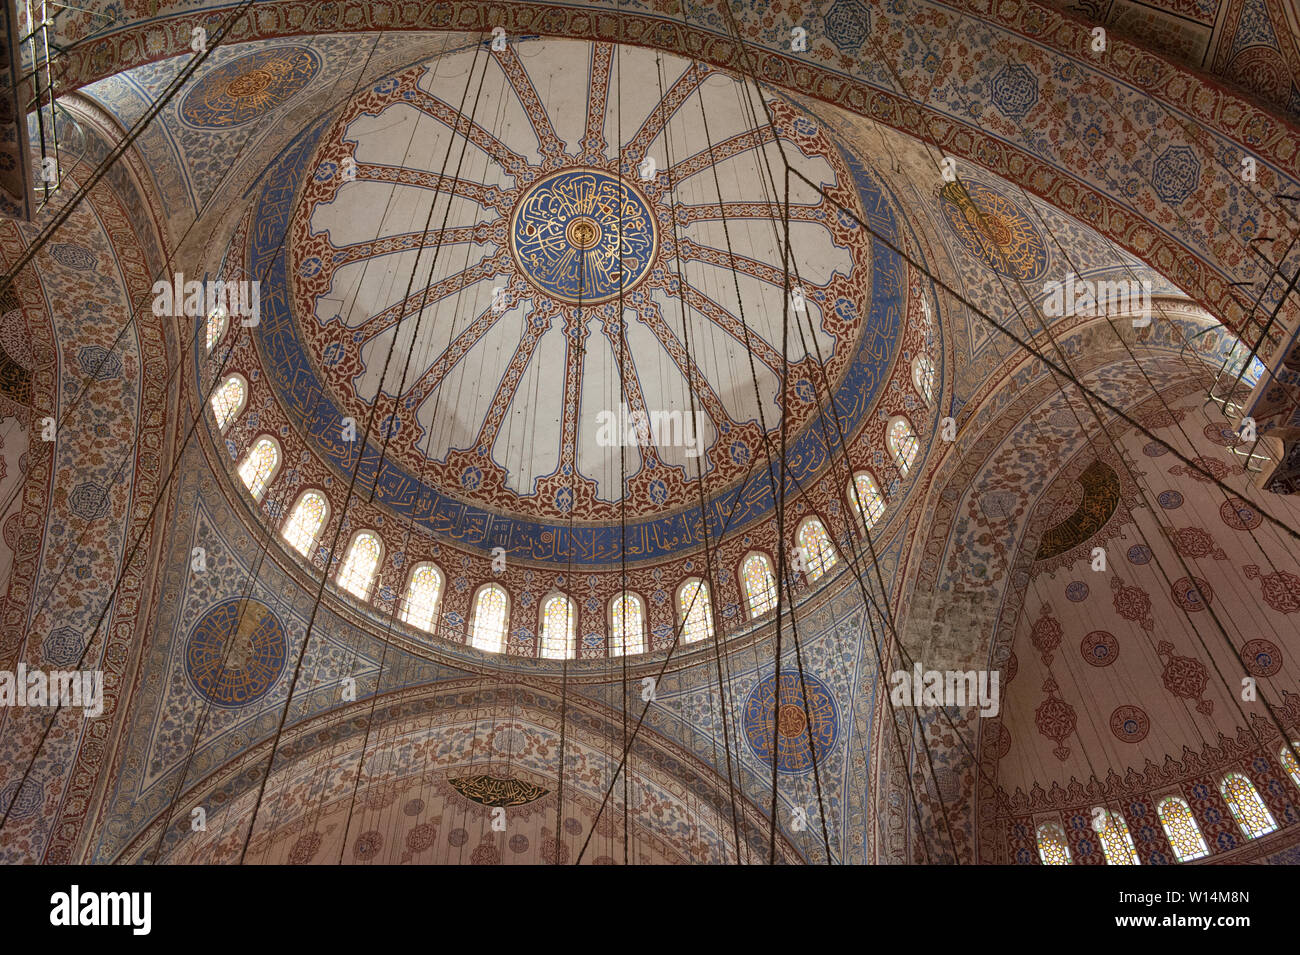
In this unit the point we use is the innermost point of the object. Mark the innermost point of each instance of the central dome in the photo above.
(518, 286)
(583, 236)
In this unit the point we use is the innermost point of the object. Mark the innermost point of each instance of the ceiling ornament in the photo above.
(246, 88)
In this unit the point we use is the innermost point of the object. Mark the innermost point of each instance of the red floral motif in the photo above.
(1055, 719)
(1191, 593)
(1212, 465)
(1185, 677)
(1195, 542)
(1047, 633)
(1130, 723)
(1261, 657)
(1239, 514)
(1222, 435)
(1281, 589)
(997, 744)
(1132, 603)
(1164, 418)
(1099, 648)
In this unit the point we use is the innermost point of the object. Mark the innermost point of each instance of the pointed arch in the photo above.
(1248, 809)
(558, 627)
(626, 624)
(490, 619)
(302, 528)
(260, 466)
(218, 321)
(923, 376)
(1289, 760)
(361, 564)
(818, 551)
(423, 591)
(228, 400)
(903, 443)
(1116, 841)
(758, 584)
(694, 610)
(1053, 848)
(1180, 827)
(865, 499)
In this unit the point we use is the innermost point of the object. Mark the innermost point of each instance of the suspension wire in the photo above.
(710, 554)
(320, 591)
(1045, 327)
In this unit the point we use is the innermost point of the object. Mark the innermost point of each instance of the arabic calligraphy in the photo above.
(236, 652)
(489, 790)
(565, 236)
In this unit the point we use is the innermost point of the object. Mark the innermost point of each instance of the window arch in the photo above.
(559, 627)
(1053, 848)
(420, 603)
(626, 624)
(260, 466)
(361, 563)
(1180, 826)
(864, 495)
(923, 375)
(228, 400)
(302, 529)
(217, 321)
(1116, 842)
(694, 608)
(1247, 808)
(903, 443)
(818, 551)
(1289, 761)
(759, 584)
(491, 616)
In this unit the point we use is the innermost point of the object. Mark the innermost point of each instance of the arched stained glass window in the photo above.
(228, 400)
(420, 603)
(627, 625)
(302, 529)
(259, 466)
(695, 609)
(923, 375)
(358, 571)
(818, 551)
(864, 495)
(760, 585)
(559, 627)
(491, 614)
(1289, 761)
(1247, 808)
(1053, 848)
(903, 443)
(217, 321)
(1180, 826)
(1116, 842)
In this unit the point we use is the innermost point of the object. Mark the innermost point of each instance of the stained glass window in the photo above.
(1116, 842)
(488, 631)
(302, 529)
(1052, 846)
(228, 400)
(1180, 826)
(627, 625)
(923, 377)
(693, 603)
(760, 584)
(358, 570)
(216, 326)
(1289, 761)
(1247, 808)
(421, 601)
(559, 627)
(865, 493)
(903, 444)
(818, 551)
(259, 466)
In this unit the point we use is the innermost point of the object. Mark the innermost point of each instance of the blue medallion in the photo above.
(236, 652)
(565, 232)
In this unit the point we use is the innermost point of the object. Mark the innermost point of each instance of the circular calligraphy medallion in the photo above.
(565, 233)
(236, 652)
(248, 87)
(794, 755)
